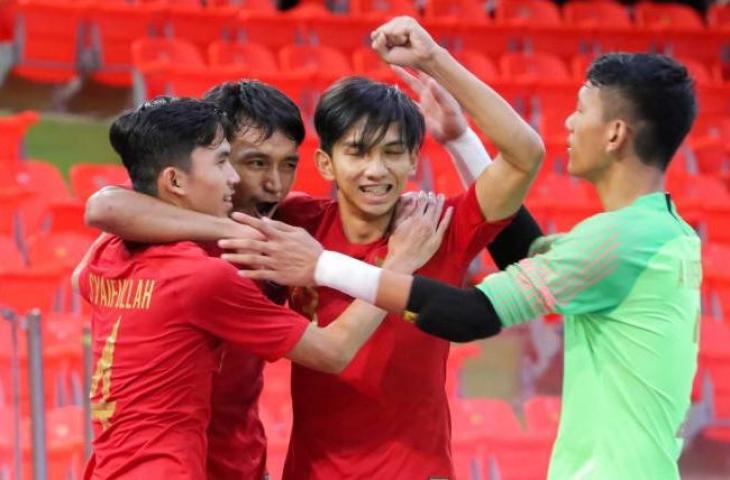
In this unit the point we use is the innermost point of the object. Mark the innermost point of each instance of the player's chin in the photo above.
(378, 210)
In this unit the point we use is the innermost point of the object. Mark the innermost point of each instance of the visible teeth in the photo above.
(376, 189)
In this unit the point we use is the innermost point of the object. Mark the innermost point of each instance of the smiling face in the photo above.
(266, 166)
(209, 184)
(369, 182)
(588, 135)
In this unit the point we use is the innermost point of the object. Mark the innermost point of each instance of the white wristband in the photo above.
(353, 277)
(470, 155)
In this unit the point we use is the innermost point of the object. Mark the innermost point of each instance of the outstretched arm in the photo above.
(446, 122)
(502, 187)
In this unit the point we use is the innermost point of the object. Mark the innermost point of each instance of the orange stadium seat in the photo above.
(194, 81)
(48, 38)
(58, 250)
(528, 13)
(12, 131)
(596, 14)
(531, 67)
(250, 55)
(478, 64)
(714, 361)
(346, 32)
(46, 182)
(714, 99)
(697, 69)
(248, 5)
(43, 177)
(667, 16)
(542, 414)
(273, 30)
(202, 25)
(87, 178)
(327, 63)
(711, 125)
(380, 8)
(458, 355)
(10, 256)
(435, 160)
(12, 201)
(308, 179)
(66, 216)
(29, 288)
(113, 28)
(459, 10)
(716, 279)
(718, 16)
(64, 444)
(712, 155)
(366, 62)
(551, 105)
(65, 436)
(152, 59)
(301, 87)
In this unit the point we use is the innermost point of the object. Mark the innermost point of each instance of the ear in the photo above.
(324, 164)
(618, 136)
(172, 181)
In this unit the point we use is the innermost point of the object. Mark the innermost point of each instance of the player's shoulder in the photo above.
(303, 210)
(214, 276)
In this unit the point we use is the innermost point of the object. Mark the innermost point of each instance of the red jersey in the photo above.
(386, 415)
(160, 316)
(236, 437)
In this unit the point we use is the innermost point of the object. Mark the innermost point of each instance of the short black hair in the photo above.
(252, 104)
(164, 132)
(659, 99)
(354, 98)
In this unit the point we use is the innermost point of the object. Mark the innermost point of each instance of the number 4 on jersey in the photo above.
(101, 408)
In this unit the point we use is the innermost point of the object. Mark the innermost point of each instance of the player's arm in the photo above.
(501, 188)
(584, 271)
(446, 123)
(142, 218)
(331, 348)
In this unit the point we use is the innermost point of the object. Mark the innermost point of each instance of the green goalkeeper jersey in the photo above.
(628, 283)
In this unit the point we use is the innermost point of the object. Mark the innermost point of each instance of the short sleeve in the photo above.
(234, 309)
(469, 232)
(589, 270)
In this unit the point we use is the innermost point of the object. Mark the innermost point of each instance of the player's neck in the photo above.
(621, 185)
(359, 228)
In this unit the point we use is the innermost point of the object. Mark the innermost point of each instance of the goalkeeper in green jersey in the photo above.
(627, 280)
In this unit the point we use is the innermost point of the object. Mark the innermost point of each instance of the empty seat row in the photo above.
(94, 39)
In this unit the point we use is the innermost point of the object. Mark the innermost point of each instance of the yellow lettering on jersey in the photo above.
(122, 293)
(123, 287)
(113, 292)
(147, 295)
(103, 409)
(104, 299)
(92, 289)
(138, 296)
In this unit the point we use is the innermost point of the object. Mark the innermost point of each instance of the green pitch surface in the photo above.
(65, 140)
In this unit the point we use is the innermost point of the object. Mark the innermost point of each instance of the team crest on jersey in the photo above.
(305, 300)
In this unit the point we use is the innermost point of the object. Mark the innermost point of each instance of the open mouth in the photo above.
(266, 209)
